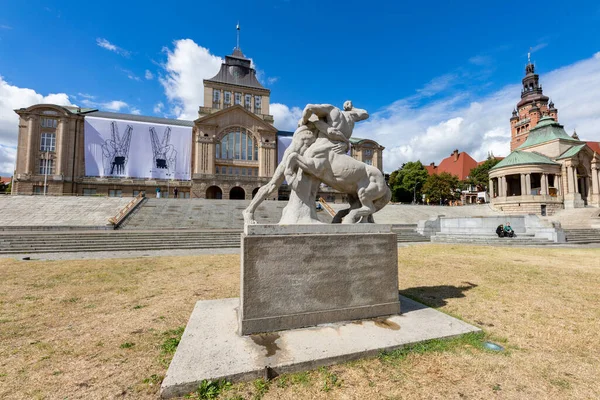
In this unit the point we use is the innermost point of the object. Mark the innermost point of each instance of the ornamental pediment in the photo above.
(234, 116)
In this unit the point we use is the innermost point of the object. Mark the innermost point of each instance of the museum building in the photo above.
(228, 152)
(547, 169)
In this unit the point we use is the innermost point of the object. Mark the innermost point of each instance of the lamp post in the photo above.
(415, 192)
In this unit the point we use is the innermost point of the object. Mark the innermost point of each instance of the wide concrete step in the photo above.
(102, 248)
(582, 236)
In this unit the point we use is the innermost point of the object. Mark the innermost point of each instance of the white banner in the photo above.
(123, 148)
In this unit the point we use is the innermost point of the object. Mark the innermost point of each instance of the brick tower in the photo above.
(533, 106)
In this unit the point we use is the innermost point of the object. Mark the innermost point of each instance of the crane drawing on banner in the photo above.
(115, 151)
(165, 155)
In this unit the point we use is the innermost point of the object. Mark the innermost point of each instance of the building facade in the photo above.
(228, 152)
(530, 109)
(547, 169)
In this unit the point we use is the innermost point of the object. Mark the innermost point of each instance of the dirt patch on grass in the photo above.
(107, 328)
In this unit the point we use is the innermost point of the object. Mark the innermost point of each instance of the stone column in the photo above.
(575, 180)
(558, 184)
(491, 186)
(60, 141)
(570, 185)
(595, 182)
(523, 183)
(544, 184)
(503, 186)
(527, 184)
(30, 156)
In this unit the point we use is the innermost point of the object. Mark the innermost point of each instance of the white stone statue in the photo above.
(318, 154)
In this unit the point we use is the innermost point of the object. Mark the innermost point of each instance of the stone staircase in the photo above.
(125, 240)
(582, 236)
(407, 233)
(27, 242)
(577, 218)
(58, 212)
(490, 240)
(202, 214)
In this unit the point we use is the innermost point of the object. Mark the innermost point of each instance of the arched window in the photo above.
(237, 144)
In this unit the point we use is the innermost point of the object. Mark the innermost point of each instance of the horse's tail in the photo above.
(383, 200)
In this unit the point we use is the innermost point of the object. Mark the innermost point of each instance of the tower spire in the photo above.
(237, 28)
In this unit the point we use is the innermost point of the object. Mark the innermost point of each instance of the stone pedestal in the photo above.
(293, 276)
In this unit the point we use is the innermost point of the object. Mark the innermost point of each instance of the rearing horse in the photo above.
(364, 184)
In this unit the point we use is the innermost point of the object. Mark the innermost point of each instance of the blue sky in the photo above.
(422, 69)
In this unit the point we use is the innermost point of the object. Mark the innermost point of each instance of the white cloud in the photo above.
(286, 119)
(187, 66)
(149, 75)
(11, 98)
(8, 158)
(113, 105)
(135, 111)
(480, 125)
(5, 27)
(273, 79)
(158, 107)
(105, 44)
(130, 74)
(86, 96)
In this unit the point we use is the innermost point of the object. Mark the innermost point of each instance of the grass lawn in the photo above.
(103, 329)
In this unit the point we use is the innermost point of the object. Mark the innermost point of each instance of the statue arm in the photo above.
(360, 114)
(320, 110)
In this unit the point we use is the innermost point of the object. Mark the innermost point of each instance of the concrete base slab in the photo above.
(210, 347)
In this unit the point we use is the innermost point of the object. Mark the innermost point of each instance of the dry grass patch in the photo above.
(107, 328)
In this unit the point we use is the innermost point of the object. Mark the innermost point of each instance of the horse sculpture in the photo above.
(364, 184)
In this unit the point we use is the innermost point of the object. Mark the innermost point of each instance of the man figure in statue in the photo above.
(335, 129)
(332, 125)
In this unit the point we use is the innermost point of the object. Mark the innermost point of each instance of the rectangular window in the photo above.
(224, 149)
(92, 192)
(368, 152)
(218, 151)
(369, 162)
(217, 169)
(248, 102)
(244, 171)
(244, 144)
(227, 98)
(236, 171)
(49, 122)
(257, 104)
(114, 193)
(216, 98)
(230, 170)
(40, 189)
(255, 171)
(237, 145)
(230, 146)
(46, 167)
(238, 98)
(48, 142)
(249, 147)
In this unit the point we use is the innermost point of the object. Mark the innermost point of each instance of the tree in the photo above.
(407, 182)
(441, 187)
(479, 175)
